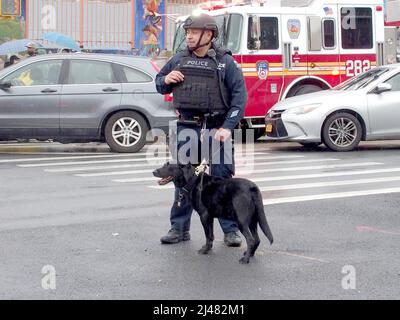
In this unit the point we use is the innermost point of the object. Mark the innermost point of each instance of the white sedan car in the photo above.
(366, 107)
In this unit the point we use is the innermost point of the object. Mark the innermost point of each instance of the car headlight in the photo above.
(270, 114)
(303, 109)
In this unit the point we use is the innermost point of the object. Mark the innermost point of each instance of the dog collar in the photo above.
(190, 186)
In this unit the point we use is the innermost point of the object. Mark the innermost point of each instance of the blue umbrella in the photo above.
(15, 46)
(62, 40)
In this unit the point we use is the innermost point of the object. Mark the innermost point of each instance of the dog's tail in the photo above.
(262, 220)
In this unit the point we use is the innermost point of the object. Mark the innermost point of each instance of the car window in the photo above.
(362, 80)
(39, 73)
(328, 36)
(180, 35)
(234, 32)
(269, 37)
(357, 28)
(90, 72)
(134, 75)
(395, 82)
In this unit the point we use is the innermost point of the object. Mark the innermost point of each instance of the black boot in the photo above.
(232, 239)
(175, 236)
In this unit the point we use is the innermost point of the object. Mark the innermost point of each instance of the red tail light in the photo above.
(168, 97)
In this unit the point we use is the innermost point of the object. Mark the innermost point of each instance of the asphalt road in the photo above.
(94, 219)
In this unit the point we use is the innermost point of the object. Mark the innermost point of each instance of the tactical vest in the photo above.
(201, 90)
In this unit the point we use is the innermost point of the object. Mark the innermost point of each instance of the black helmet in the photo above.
(202, 21)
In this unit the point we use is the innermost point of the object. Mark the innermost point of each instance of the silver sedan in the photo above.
(366, 107)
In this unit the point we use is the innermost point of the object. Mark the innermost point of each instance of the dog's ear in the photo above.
(188, 171)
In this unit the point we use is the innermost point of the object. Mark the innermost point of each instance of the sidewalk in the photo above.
(44, 146)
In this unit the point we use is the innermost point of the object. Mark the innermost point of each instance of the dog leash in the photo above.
(204, 161)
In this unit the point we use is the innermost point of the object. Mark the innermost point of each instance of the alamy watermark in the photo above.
(49, 15)
(349, 280)
(49, 277)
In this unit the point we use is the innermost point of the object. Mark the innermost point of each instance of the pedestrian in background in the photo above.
(32, 49)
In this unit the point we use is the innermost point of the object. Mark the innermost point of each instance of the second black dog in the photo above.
(212, 197)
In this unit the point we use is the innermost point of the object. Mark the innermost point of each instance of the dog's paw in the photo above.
(251, 254)
(204, 250)
(244, 260)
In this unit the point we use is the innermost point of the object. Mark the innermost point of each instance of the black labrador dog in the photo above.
(213, 197)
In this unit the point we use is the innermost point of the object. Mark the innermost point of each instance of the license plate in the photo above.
(268, 128)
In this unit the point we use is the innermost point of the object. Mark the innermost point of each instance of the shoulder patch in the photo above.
(234, 114)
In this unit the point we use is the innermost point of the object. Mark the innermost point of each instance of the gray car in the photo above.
(83, 98)
(366, 107)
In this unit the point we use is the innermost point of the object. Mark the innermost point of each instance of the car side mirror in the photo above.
(382, 87)
(5, 85)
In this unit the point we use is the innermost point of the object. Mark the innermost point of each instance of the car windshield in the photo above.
(362, 80)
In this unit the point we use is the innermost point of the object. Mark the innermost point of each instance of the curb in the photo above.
(54, 147)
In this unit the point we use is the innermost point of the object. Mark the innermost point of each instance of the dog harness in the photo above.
(199, 171)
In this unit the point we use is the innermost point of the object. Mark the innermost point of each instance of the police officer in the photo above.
(208, 93)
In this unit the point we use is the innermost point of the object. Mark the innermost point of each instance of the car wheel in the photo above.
(126, 132)
(342, 132)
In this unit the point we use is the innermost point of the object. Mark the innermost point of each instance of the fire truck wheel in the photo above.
(126, 132)
(307, 88)
(341, 132)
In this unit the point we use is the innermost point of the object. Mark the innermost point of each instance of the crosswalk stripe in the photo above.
(314, 184)
(165, 187)
(286, 162)
(136, 179)
(120, 166)
(334, 166)
(127, 180)
(70, 163)
(112, 173)
(329, 184)
(247, 157)
(325, 175)
(245, 154)
(152, 165)
(330, 196)
(136, 155)
(55, 164)
(119, 173)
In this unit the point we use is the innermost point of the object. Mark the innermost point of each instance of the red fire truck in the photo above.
(288, 49)
(392, 30)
